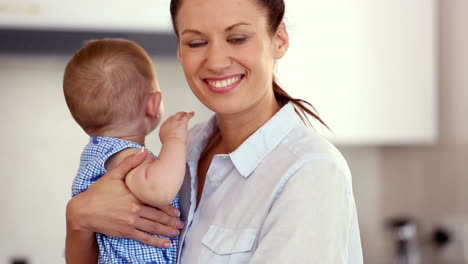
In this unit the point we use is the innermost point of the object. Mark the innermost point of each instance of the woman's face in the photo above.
(227, 53)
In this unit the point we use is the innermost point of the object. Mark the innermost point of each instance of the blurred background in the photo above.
(388, 76)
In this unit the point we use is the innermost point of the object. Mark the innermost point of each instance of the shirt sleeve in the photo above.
(313, 220)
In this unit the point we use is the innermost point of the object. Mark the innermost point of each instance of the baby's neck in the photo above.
(139, 139)
(126, 134)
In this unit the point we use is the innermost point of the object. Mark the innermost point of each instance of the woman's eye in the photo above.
(237, 40)
(196, 44)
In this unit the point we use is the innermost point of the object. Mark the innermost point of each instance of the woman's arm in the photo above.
(87, 250)
(312, 221)
(157, 182)
(108, 207)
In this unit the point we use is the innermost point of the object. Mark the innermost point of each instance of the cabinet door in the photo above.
(368, 66)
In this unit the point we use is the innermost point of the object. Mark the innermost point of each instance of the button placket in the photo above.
(212, 178)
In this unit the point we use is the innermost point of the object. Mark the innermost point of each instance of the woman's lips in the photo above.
(225, 84)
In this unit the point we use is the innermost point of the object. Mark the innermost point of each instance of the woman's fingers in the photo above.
(160, 217)
(156, 228)
(170, 210)
(128, 164)
(156, 221)
(148, 239)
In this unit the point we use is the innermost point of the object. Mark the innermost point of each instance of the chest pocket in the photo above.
(224, 241)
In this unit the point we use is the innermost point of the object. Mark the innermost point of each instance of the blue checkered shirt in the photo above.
(112, 249)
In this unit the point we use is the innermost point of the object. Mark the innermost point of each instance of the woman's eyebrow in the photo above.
(236, 25)
(194, 31)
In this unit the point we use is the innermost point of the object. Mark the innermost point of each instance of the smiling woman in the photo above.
(228, 58)
(261, 186)
(232, 44)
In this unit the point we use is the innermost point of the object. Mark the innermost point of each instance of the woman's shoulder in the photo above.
(313, 161)
(309, 146)
(200, 133)
(202, 128)
(307, 141)
(197, 128)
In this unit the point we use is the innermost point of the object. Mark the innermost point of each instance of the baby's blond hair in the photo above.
(107, 82)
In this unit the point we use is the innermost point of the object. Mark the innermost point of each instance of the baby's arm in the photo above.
(156, 182)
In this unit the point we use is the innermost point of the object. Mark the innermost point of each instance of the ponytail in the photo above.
(302, 107)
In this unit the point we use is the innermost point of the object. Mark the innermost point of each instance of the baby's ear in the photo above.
(153, 104)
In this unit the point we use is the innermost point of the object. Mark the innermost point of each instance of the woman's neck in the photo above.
(236, 128)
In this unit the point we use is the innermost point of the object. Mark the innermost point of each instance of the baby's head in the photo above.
(109, 85)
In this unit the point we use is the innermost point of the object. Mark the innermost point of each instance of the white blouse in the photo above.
(284, 196)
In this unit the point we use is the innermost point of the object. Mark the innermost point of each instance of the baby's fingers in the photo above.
(177, 116)
(183, 116)
(188, 115)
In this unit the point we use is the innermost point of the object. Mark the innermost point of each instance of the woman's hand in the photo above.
(108, 207)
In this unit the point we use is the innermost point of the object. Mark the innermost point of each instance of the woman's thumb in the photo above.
(128, 164)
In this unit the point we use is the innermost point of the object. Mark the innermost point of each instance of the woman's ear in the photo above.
(178, 53)
(280, 41)
(153, 104)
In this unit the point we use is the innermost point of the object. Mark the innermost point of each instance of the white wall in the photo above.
(41, 145)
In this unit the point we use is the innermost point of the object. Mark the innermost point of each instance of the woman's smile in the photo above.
(224, 84)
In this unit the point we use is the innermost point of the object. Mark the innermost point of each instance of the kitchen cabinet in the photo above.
(368, 66)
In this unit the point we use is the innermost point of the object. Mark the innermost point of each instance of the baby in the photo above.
(111, 90)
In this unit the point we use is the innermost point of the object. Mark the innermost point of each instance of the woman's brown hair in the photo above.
(275, 13)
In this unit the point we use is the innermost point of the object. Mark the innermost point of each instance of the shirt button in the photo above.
(212, 178)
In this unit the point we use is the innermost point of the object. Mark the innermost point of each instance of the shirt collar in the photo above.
(256, 147)
(262, 142)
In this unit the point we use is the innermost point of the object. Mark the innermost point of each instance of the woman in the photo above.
(262, 187)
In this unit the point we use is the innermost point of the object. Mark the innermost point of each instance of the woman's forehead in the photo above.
(220, 14)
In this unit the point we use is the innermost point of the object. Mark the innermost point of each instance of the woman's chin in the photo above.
(221, 107)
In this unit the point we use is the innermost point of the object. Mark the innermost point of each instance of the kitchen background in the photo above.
(390, 77)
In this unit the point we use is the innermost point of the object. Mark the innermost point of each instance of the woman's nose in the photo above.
(218, 58)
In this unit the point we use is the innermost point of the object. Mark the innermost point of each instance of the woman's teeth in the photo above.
(224, 83)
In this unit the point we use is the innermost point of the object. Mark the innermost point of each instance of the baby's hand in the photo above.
(175, 127)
